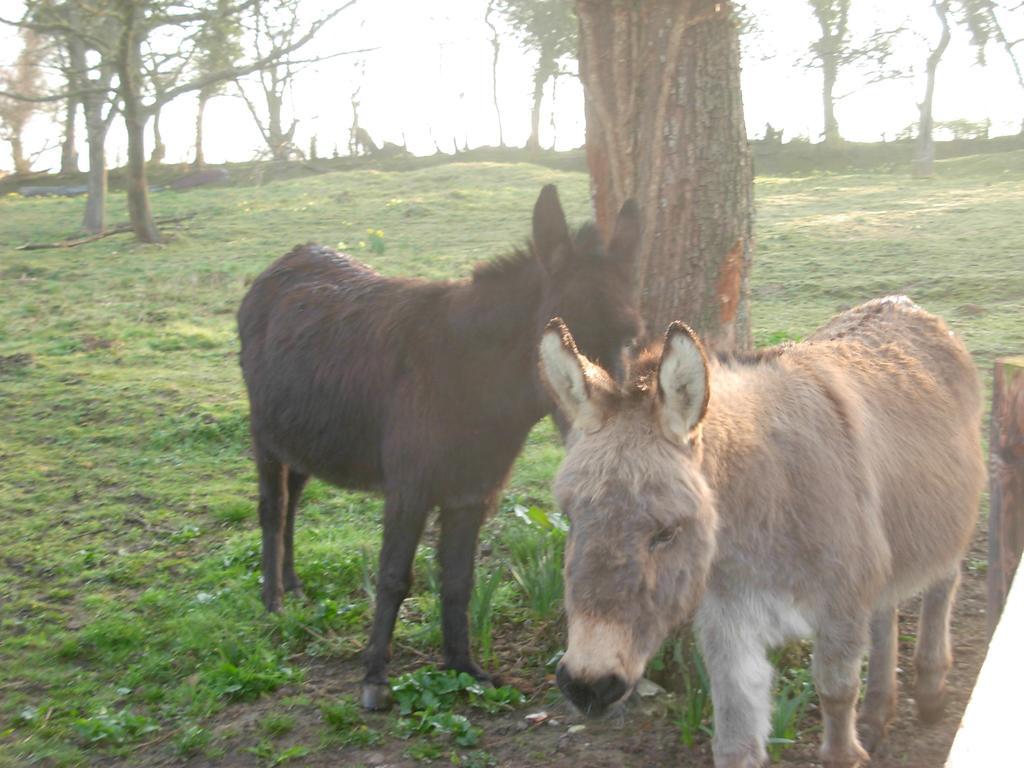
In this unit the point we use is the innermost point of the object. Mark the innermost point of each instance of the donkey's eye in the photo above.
(664, 536)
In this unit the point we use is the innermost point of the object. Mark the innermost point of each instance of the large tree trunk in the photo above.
(665, 125)
(96, 134)
(135, 117)
(200, 161)
(96, 128)
(924, 154)
(68, 150)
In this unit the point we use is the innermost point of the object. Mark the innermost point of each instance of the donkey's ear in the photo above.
(562, 369)
(550, 231)
(626, 238)
(683, 387)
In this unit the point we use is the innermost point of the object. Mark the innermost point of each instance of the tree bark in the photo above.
(665, 125)
(1006, 479)
(924, 155)
(200, 159)
(135, 118)
(96, 135)
(68, 150)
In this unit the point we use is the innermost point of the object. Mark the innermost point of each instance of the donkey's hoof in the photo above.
(470, 667)
(852, 757)
(871, 734)
(930, 708)
(272, 602)
(376, 697)
(745, 760)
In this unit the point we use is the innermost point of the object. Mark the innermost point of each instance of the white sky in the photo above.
(431, 81)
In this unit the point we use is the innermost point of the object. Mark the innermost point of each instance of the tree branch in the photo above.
(233, 73)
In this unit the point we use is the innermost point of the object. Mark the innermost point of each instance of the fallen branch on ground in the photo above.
(120, 229)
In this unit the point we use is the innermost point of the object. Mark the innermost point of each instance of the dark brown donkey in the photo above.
(424, 390)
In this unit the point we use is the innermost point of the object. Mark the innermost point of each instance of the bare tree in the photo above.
(999, 9)
(661, 81)
(218, 47)
(977, 17)
(924, 154)
(138, 25)
(496, 48)
(275, 25)
(834, 50)
(549, 28)
(24, 77)
(69, 147)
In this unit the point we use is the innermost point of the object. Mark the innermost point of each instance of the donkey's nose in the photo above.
(591, 697)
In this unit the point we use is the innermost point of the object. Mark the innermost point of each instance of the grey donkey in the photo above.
(803, 491)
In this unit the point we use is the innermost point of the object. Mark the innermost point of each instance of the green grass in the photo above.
(129, 569)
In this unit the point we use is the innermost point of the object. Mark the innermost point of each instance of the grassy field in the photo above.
(129, 598)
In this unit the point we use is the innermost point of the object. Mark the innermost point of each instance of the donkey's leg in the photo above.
(403, 526)
(460, 529)
(838, 651)
(933, 655)
(296, 482)
(879, 704)
(741, 682)
(273, 505)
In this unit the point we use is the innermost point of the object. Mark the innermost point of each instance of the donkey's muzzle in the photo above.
(591, 697)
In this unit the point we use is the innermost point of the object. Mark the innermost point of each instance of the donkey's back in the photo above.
(905, 387)
(321, 335)
(896, 329)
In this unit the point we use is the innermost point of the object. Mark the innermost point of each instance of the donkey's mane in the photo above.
(643, 373)
(504, 267)
(756, 357)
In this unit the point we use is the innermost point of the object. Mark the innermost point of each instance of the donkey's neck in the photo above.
(494, 319)
(499, 304)
(737, 418)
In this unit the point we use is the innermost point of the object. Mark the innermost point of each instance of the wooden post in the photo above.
(1006, 495)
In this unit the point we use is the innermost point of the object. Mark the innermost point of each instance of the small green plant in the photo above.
(433, 690)
(426, 752)
(694, 708)
(794, 694)
(375, 241)
(113, 727)
(276, 724)
(536, 559)
(244, 674)
(457, 727)
(426, 697)
(292, 753)
(481, 611)
(367, 573)
(476, 759)
(345, 722)
(192, 740)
